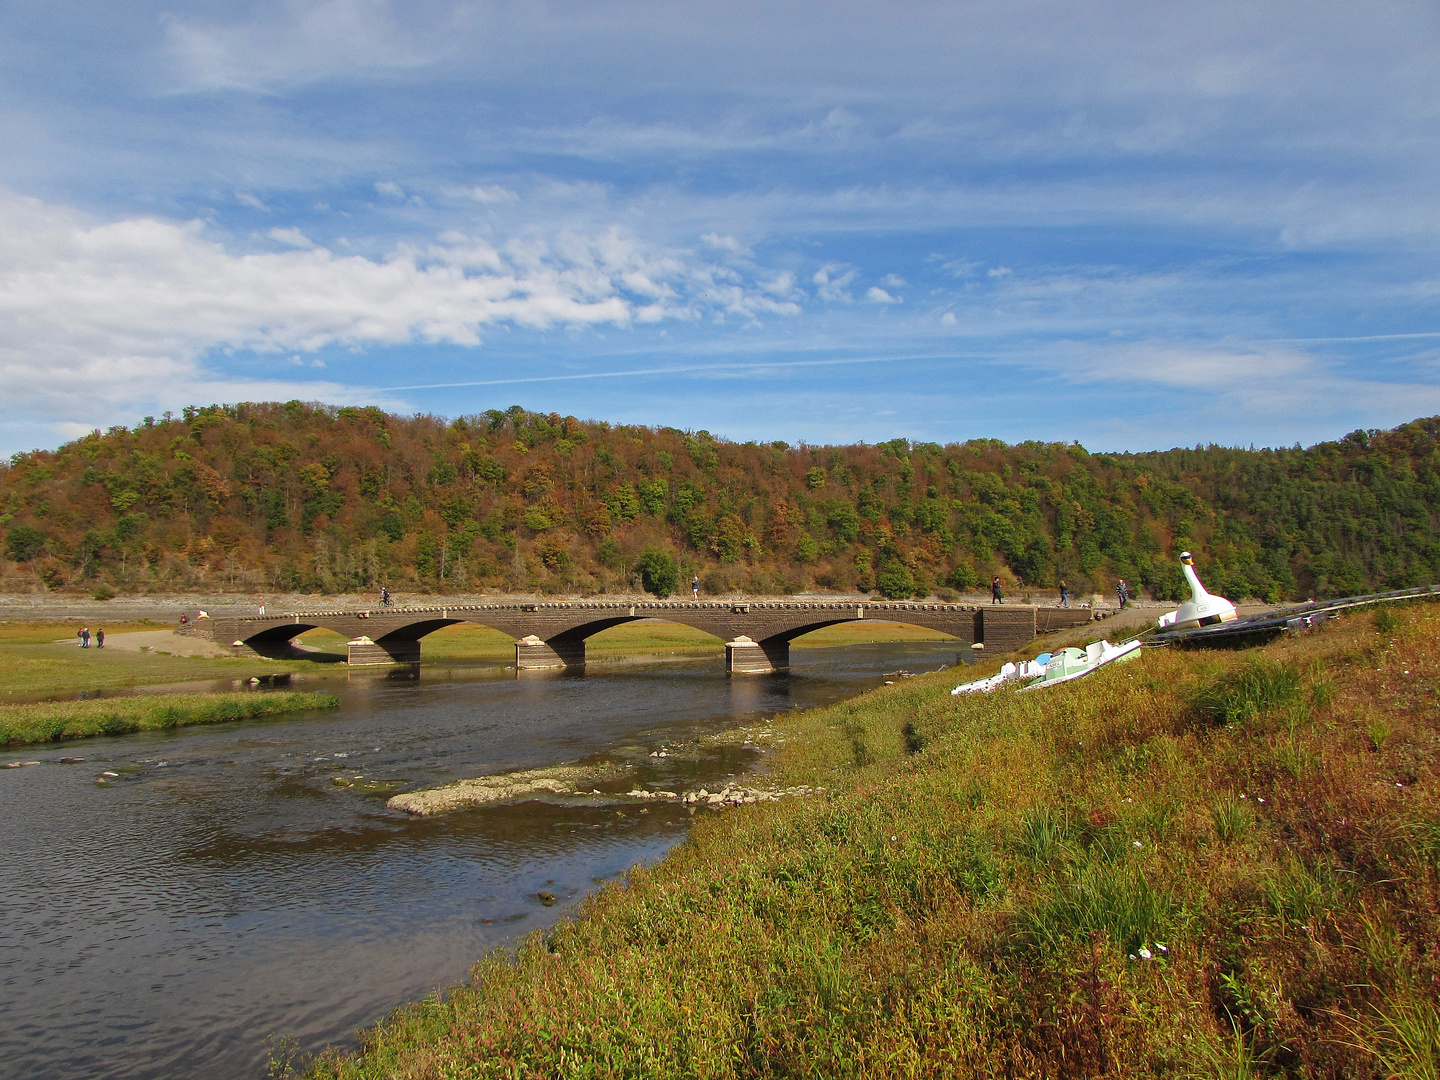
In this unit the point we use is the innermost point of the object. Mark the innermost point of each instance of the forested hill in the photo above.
(260, 497)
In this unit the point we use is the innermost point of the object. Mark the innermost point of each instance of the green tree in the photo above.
(894, 581)
(427, 556)
(658, 572)
(963, 576)
(845, 522)
(24, 542)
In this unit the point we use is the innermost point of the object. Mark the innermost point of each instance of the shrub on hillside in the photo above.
(895, 581)
(24, 542)
(658, 572)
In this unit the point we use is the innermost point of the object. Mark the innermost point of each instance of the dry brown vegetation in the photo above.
(1192, 865)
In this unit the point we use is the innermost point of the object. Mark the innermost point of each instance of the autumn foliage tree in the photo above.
(307, 497)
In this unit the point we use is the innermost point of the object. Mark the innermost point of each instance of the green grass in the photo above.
(36, 670)
(1125, 876)
(52, 721)
(1246, 691)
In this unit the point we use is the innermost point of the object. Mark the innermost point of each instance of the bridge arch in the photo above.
(757, 633)
(277, 641)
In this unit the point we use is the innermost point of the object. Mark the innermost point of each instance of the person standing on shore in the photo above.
(996, 595)
(1123, 592)
(100, 639)
(1064, 595)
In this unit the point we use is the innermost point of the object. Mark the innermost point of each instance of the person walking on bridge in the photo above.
(997, 596)
(695, 587)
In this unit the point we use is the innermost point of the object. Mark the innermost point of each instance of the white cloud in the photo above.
(68, 429)
(832, 287)
(783, 285)
(948, 319)
(244, 198)
(492, 193)
(963, 268)
(877, 295)
(894, 281)
(999, 271)
(95, 316)
(724, 243)
(292, 237)
(1248, 380)
(306, 40)
(390, 189)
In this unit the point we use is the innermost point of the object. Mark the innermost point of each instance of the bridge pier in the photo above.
(532, 653)
(362, 652)
(746, 657)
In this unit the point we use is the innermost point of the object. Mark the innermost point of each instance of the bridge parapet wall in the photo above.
(1048, 620)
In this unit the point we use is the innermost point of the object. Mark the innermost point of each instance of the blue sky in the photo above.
(1136, 225)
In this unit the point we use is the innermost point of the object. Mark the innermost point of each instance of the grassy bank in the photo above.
(40, 658)
(54, 720)
(1192, 865)
(43, 670)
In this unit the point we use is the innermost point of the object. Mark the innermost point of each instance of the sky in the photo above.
(1135, 225)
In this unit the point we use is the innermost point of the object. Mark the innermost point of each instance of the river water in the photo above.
(241, 881)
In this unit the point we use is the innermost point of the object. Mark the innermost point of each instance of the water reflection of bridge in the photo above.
(757, 633)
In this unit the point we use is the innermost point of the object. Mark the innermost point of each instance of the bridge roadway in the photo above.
(757, 633)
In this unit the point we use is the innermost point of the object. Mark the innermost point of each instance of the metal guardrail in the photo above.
(1271, 623)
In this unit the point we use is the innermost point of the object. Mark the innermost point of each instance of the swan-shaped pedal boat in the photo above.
(1202, 609)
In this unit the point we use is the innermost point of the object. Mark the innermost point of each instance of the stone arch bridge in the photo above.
(757, 633)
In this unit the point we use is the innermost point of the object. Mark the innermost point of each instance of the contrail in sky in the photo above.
(741, 368)
(1366, 337)
(678, 370)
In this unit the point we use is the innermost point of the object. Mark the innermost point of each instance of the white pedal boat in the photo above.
(1202, 609)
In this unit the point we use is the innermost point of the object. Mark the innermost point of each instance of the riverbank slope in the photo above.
(1191, 864)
